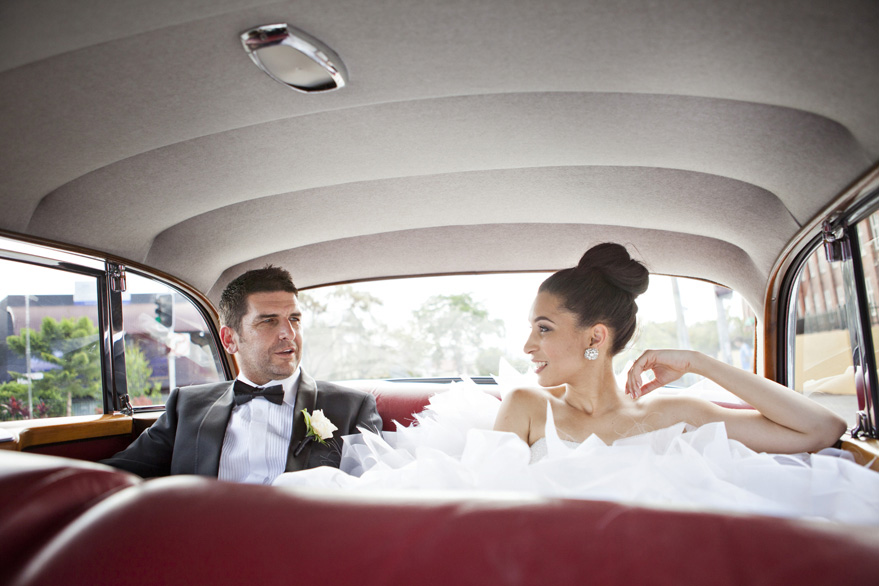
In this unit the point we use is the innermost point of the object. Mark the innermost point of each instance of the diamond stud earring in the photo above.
(591, 353)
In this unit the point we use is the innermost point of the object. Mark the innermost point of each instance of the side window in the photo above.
(50, 357)
(167, 342)
(822, 360)
(868, 236)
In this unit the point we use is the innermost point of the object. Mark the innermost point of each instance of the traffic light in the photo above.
(165, 310)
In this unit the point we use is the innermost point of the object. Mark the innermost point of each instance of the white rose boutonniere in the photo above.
(319, 427)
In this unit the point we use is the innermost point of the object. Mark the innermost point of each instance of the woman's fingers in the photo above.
(666, 366)
(650, 387)
(634, 382)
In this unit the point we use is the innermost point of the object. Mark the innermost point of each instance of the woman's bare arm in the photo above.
(784, 420)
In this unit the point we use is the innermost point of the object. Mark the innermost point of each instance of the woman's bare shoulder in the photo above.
(530, 395)
(522, 411)
(527, 403)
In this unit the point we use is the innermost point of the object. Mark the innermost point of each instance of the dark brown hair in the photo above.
(602, 289)
(233, 301)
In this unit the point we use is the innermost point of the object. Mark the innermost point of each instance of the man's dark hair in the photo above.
(233, 301)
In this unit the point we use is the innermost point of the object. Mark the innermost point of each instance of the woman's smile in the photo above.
(556, 339)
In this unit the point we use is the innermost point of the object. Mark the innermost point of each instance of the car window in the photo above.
(50, 357)
(464, 325)
(822, 365)
(53, 362)
(868, 236)
(168, 343)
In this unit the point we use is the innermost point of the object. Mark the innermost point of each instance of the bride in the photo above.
(582, 436)
(584, 316)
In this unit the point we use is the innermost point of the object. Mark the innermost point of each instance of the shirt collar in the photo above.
(290, 384)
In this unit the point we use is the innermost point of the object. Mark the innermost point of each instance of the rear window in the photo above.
(465, 325)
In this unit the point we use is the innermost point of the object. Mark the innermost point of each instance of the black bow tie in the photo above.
(244, 393)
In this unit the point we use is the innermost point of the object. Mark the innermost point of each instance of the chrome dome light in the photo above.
(294, 58)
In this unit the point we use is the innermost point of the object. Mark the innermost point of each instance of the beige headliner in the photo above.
(475, 135)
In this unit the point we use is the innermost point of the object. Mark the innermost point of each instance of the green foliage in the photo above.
(345, 342)
(71, 346)
(703, 336)
(13, 395)
(358, 302)
(448, 335)
(310, 305)
(139, 374)
(458, 332)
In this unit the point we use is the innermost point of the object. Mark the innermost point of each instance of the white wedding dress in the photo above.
(452, 447)
(540, 449)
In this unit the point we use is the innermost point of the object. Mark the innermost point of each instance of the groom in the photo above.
(240, 433)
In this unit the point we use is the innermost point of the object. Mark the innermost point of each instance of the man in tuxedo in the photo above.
(252, 429)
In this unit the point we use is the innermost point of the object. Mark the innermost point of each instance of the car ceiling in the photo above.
(474, 135)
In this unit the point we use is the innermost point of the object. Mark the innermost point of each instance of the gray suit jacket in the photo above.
(188, 437)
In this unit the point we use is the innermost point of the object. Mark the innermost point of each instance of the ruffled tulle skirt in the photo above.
(452, 447)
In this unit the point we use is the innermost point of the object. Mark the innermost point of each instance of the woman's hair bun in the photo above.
(616, 266)
(595, 290)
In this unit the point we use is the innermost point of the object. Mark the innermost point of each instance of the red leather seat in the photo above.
(39, 495)
(397, 401)
(192, 530)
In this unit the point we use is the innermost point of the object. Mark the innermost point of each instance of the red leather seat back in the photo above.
(398, 401)
(39, 495)
(191, 530)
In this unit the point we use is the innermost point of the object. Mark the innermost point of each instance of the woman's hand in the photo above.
(667, 366)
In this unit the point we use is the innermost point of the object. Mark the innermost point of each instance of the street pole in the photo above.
(27, 354)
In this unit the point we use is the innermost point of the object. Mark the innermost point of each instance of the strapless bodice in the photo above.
(539, 449)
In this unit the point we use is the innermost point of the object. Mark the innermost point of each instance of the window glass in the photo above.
(50, 360)
(823, 367)
(464, 325)
(167, 342)
(869, 230)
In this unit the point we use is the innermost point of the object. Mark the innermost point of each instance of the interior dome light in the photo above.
(294, 58)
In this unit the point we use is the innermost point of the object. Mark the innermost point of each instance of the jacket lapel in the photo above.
(210, 434)
(306, 398)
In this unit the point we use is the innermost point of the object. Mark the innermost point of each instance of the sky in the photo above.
(20, 278)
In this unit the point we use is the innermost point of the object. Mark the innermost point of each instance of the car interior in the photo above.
(154, 151)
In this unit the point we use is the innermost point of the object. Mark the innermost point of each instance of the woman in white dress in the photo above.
(582, 436)
(584, 316)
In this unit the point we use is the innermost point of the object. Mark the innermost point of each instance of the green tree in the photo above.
(13, 401)
(311, 307)
(139, 374)
(347, 341)
(71, 347)
(458, 332)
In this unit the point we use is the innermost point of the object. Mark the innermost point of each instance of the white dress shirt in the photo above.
(258, 436)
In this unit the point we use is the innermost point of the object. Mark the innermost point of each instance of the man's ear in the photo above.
(229, 339)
